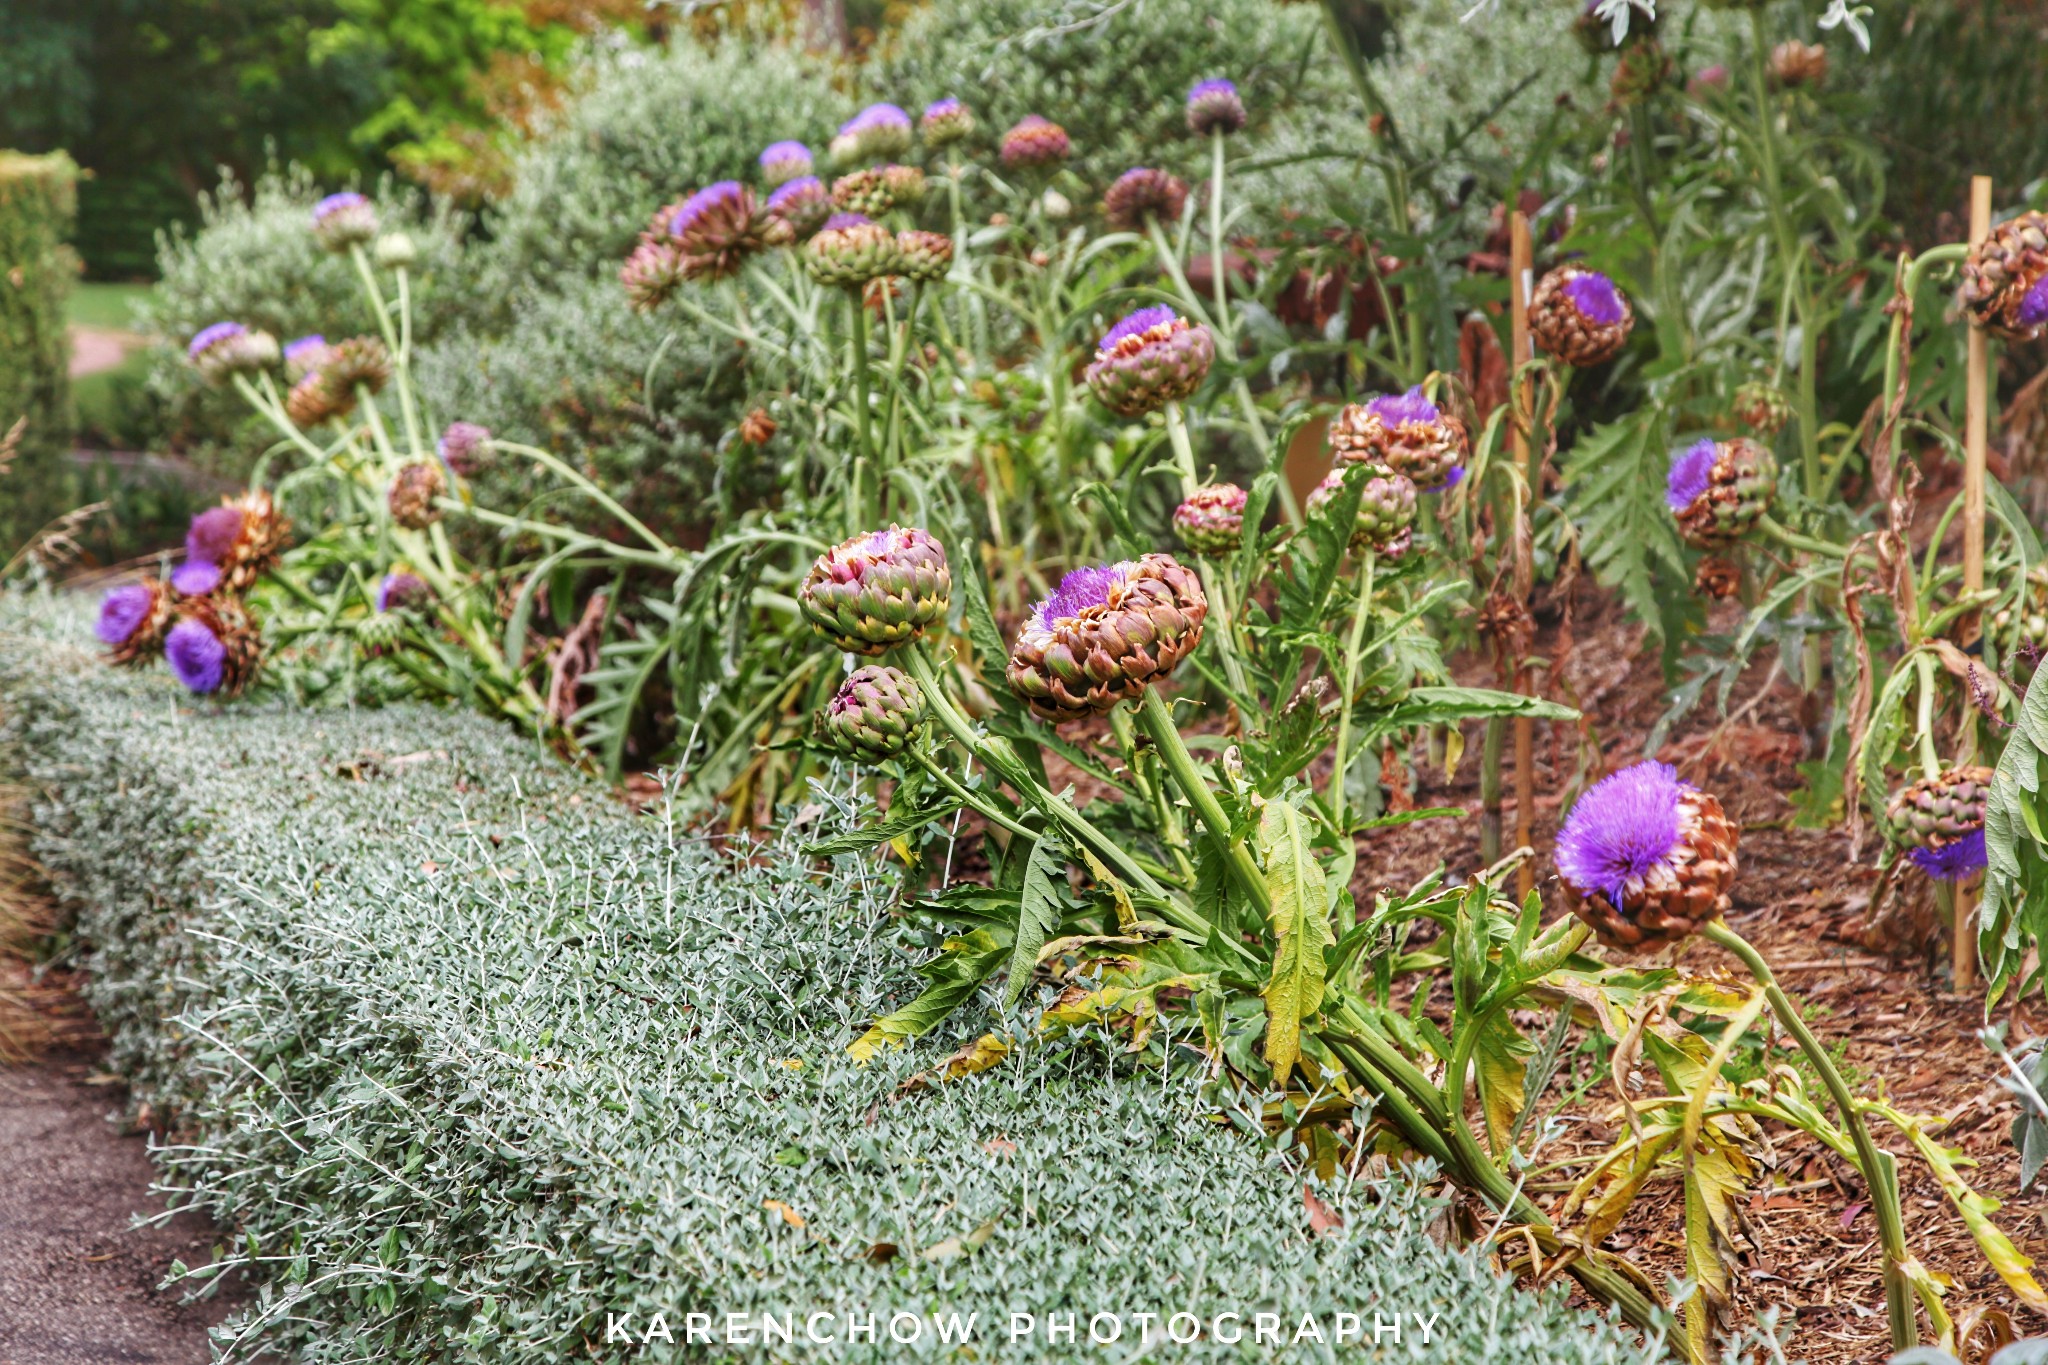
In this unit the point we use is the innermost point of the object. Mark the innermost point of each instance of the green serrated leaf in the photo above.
(1301, 933)
(1039, 910)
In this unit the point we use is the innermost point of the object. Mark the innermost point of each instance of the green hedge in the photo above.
(466, 1058)
(38, 201)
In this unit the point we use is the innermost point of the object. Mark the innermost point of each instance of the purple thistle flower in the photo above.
(122, 612)
(1214, 107)
(785, 161)
(707, 200)
(304, 350)
(210, 337)
(1396, 409)
(1136, 324)
(1621, 829)
(401, 589)
(1078, 590)
(195, 577)
(196, 655)
(943, 109)
(1452, 479)
(1954, 860)
(213, 534)
(887, 117)
(803, 187)
(845, 220)
(1595, 296)
(1690, 473)
(337, 203)
(2033, 310)
(461, 447)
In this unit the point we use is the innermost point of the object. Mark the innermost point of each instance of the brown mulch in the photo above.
(1874, 979)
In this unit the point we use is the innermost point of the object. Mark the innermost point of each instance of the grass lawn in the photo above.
(105, 305)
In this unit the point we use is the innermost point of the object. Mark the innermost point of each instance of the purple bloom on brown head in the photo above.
(1397, 408)
(1689, 474)
(785, 161)
(400, 590)
(2033, 309)
(213, 533)
(1214, 107)
(1954, 860)
(1648, 857)
(196, 655)
(1595, 296)
(196, 577)
(123, 611)
(1150, 358)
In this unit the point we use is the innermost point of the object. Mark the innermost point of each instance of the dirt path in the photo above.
(94, 349)
(77, 1281)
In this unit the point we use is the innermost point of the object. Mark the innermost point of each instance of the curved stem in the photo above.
(1879, 1170)
(1792, 540)
(1158, 723)
(968, 798)
(1359, 613)
(1930, 757)
(1225, 331)
(1184, 458)
(866, 448)
(596, 494)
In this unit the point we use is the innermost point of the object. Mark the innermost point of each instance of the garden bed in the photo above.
(471, 1060)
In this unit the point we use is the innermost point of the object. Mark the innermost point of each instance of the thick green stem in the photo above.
(865, 450)
(1360, 613)
(1879, 1170)
(1224, 330)
(1226, 638)
(1158, 723)
(968, 798)
(1492, 750)
(1792, 540)
(596, 495)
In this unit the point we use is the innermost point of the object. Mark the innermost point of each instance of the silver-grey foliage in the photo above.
(467, 1057)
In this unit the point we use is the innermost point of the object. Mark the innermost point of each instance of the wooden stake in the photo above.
(1521, 261)
(1976, 436)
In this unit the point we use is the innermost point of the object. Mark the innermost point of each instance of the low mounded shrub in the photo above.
(465, 1058)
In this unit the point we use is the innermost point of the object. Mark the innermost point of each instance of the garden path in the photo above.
(77, 1278)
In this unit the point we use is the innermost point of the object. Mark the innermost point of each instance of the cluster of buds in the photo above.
(1386, 510)
(2005, 278)
(877, 590)
(1404, 433)
(1719, 490)
(1105, 635)
(880, 132)
(1647, 859)
(345, 220)
(1035, 143)
(1940, 821)
(1141, 195)
(329, 389)
(716, 229)
(874, 715)
(1763, 408)
(947, 121)
(1211, 520)
(210, 643)
(1214, 107)
(229, 348)
(1579, 316)
(1151, 358)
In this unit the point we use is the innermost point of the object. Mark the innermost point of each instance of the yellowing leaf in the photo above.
(979, 1055)
(789, 1215)
(1301, 933)
(1498, 1058)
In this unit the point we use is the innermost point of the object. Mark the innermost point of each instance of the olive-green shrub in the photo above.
(38, 201)
(469, 1063)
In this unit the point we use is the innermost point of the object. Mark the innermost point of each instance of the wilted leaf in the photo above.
(979, 1055)
(1301, 932)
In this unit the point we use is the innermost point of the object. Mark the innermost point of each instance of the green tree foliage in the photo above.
(37, 201)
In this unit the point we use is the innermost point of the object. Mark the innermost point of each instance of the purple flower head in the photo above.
(1078, 590)
(1689, 474)
(195, 577)
(1397, 409)
(1214, 107)
(461, 447)
(803, 187)
(401, 589)
(943, 109)
(2033, 309)
(337, 203)
(304, 350)
(711, 197)
(1954, 860)
(1452, 479)
(122, 612)
(213, 533)
(1595, 296)
(197, 657)
(786, 159)
(1622, 829)
(1136, 325)
(845, 220)
(210, 337)
(874, 118)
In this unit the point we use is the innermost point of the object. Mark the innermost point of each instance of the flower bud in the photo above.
(1035, 142)
(1579, 316)
(1405, 433)
(341, 221)
(850, 250)
(1141, 195)
(132, 621)
(1719, 490)
(394, 250)
(414, 493)
(229, 348)
(947, 121)
(463, 447)
(1214, 107)
(874, 714)
(782, 162)
(1105, 635)
(925, 256)
(1151, 358)
(1211, 520)
(803, 203)
(878, 590)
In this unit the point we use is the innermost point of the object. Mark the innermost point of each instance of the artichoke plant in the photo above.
(1105, 635)
(1647, 858)
(878, 590)
(2005, 278)
(1151, 358)
(873, 715)
(1719, 490)
(1579, 316)
(850, 250)
(1210, 520)
(1405, 433)
(1386, 510)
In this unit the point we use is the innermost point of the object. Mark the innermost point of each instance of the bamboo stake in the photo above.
(1521, 270)
(1976, 434)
